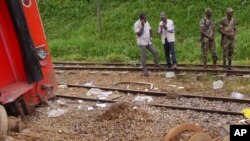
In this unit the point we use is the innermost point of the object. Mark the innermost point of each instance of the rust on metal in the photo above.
(197, 109)
(174, 132)
(200, 137)
(226, 138)
(153, 93)
(218, 139)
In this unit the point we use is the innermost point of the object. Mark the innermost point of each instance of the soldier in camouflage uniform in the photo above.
(207, 29)
(227, 28)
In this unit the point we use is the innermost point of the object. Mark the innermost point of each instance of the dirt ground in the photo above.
(127, 119)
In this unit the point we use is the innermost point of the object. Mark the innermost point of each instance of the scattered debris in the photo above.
(141, 83)
(99, 93)
(89, 84)
(56, 113)
(90, 108)
(101, 105)
(62, 86)
(126, 112)
(143, 98)
(170, 74)
(106, 73)
(224, 130)
(245, 121)
(218, 84)
(124, 72)
(59, 72)
(180, 88)
(80, 101)
(237, 95)
(246, 76)
(172, 86)
(60, 102)
(156, 89)
(93, 72)
(246, 112)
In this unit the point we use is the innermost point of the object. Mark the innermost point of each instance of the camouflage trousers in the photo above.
(228, 49)
(208, 46)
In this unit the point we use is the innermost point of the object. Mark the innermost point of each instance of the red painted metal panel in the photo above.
(35, 26)
(11, 68)
(11, 92)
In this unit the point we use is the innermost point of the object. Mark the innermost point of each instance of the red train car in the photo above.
(26, 70)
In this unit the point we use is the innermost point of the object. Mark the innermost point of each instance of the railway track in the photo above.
(163, 94)
(126, 68)
(136, 64)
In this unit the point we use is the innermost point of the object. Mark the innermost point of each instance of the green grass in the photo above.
(72, 31)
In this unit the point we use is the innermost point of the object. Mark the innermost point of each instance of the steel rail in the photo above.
(136, 64)
(156, 105)
(153, 93)
(86, 99)
(234, 72)
(197, 109)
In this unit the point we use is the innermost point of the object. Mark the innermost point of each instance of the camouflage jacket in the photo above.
(228, 26)
(208, 27)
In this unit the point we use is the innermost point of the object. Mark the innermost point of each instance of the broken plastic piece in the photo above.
(56, 113)
(170, 74)
(246, 113)
(143, 98)
(218, 84)
(101, 105)
(143, 83)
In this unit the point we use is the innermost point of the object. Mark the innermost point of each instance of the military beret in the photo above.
(162, 15)
(208, 10)
(230, 9)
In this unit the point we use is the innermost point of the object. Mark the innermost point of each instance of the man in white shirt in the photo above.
(143, 32)
(167, 31)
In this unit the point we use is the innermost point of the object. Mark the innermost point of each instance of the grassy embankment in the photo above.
(72, 31)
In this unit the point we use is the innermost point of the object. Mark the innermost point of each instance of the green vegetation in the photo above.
(72, 30)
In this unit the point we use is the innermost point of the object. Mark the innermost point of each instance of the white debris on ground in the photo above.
(89, 84)
(237, 95)
(170, 74)
(100, 94)
(143, 99)
(56, 113)
(218, 84)
(62, 86)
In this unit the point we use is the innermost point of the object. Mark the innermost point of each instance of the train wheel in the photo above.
(227, 138)
(3, 121)
(200, 137)
(174, 132)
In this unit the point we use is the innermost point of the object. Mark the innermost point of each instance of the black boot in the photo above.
(229, 65)
(214, 65)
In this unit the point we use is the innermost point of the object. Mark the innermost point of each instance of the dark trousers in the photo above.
(169, 49)
(143, 51)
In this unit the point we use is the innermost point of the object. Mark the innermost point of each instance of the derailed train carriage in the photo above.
(26, 70)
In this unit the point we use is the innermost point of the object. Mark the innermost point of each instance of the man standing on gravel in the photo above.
(227, 28)
(166, 29)
(207, 29)
(143, 32)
